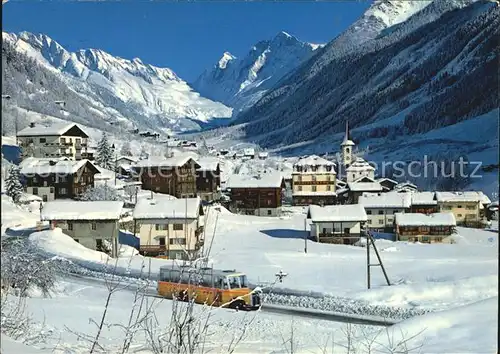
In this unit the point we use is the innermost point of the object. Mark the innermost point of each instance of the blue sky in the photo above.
(187, 37)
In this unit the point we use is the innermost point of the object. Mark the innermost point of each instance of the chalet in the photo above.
(259, 195)
(359, 168)
(263, 155)
(465, 206)
(423, 203)
(356, 189)
(208, 183)
(169, 227)
(313, 181)
(406, 187)
(387, 183)
(58, 140)
(336, 223)
(248, 153)
(92, 224)
(57, 178)
(126, 160)
(174, 175)
(381, 207)
(423, 228)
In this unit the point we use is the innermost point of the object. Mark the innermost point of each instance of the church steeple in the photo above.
(346, 147)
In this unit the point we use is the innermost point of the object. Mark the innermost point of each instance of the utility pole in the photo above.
(369, 239)
(305, 235)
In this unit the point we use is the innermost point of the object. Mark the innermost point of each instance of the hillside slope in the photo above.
(115, 90)
(431, 74)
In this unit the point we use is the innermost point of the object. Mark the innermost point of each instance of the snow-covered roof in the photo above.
(365, 187)
(449, 197)
(56, 129)
(380, 180)
(484, 198)
(406, 185)
(415, 219)
(341, 191)
(313, 160)
(341, 183)
(360, 164)
(156, 161)
(76, 210)
(337, 213)
(263, 180)
(263, 154)
(26, 198)
(207, 163)
(164, 208)
(128, 158)
(249, 152)
(347, 143)
(43, 166)
(385, 200)
(309, 193)
(364, 178)
(423, 198)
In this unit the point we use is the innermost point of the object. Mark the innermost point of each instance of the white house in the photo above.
(467, 206)
(356, 189)
(93, 224)
(359, 168)
(313, 181)
(57, 140)
(381, 207)
(169, 227)
(336, 223)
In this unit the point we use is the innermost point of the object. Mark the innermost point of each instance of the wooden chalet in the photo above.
(57, 178)
(424, 228)
(175, 175)
(208, 178)
(423, 203)
(259, 195)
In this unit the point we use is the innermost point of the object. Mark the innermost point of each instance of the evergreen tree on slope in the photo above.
(126, 149)
(104, 157)
(13, 185)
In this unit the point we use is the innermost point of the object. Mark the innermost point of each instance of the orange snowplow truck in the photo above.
(220, 288)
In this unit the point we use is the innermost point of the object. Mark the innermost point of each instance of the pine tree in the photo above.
(126, 149)
(13, 184)
(104, 157)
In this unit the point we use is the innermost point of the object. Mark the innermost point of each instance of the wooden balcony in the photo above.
(152, 248)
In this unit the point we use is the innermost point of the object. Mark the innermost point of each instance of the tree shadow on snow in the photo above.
(286, 233)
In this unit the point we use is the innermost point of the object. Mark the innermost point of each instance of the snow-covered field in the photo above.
(454, 282)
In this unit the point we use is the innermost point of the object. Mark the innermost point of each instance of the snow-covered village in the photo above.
(271, 204)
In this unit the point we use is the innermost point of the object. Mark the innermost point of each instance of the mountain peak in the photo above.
(225, 59)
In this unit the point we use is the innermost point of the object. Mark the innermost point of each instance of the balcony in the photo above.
(153, 248)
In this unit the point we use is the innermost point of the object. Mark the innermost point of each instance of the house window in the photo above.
(70, 226)
(313, 178)
(369, 221)
(380, 212)
(470, 207)
(35, 191)
(328, 187)
(178, 227)
(43, 140)
(459, 206)
(389, 219)
(177, 241)
(162, 241)
(45, 183)
(161, 227)
(269, 212)
(368, 212)
(471, 216)
(94, 226)
(98, 244)
(459, 215)
(44, 198)
(51, 190)
(63, 190)
(381, 222)
(299, 188)
(313, 188)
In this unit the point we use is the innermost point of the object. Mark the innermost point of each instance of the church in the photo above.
(316, 180)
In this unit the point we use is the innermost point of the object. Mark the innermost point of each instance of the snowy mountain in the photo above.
(128, 90)
(240, 82)
(432, 68)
